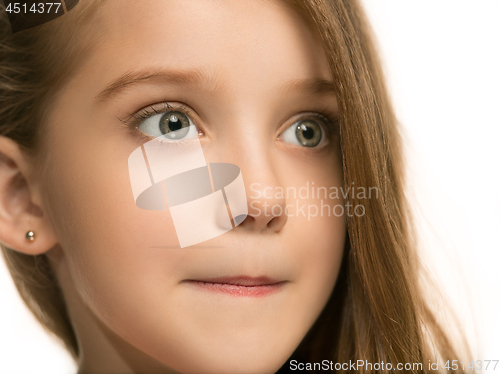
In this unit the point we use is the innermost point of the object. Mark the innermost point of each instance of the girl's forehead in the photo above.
(235, 41)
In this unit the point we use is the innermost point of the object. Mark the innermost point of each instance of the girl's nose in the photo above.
(266, 206)
(266, 202)
(248, 143)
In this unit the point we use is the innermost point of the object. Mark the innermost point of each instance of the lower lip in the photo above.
(238, 290)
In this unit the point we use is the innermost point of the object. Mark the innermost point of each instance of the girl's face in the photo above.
(247, 74)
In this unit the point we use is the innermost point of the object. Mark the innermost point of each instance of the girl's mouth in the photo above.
(239, 285)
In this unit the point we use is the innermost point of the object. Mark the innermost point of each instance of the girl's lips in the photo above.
(238, 286)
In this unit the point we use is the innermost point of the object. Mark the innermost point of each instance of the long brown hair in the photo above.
(378, 310)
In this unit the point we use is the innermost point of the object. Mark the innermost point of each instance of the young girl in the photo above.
(319, 271)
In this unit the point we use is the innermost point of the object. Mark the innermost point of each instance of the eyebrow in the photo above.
(197, 76)
(147, 76)
(311, 85)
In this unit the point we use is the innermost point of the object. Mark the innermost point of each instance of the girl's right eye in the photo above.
(171, 124)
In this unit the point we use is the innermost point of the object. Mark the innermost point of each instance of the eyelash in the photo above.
(329, 119)
(133, 121)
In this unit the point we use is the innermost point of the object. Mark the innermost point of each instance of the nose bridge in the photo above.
(243, 133)
(251, 148)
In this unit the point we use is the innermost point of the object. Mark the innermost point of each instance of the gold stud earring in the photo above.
(30, 235)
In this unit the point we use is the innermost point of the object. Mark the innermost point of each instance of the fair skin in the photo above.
(120, 267)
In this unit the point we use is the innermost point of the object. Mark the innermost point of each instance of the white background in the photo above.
(442, 62)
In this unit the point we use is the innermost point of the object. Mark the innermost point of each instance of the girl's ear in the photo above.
(20, 210)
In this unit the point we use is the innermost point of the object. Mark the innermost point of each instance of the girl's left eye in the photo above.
(172, 124)
(307, 132)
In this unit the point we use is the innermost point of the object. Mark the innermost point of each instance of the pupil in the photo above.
(307, 132)
(174, 124)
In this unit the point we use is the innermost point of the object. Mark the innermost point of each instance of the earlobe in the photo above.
(23, 225)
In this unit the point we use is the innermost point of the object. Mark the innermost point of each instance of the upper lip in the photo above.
(242, 280)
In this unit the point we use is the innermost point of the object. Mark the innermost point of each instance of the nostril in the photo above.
(240, 218)
(278, 222)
